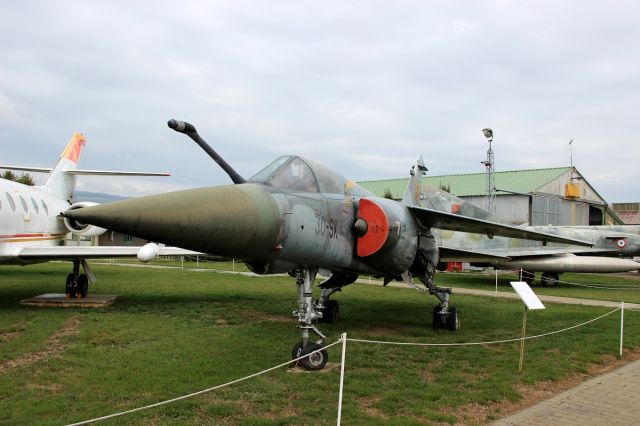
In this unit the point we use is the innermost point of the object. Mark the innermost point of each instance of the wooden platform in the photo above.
(59, 300)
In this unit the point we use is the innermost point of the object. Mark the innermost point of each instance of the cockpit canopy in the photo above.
(303, 174)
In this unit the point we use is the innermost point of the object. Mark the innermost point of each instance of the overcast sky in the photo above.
(365, 86)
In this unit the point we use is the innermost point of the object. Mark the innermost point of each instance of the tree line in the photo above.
(24, 178)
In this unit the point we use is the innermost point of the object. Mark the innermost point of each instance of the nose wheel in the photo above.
(315, 361)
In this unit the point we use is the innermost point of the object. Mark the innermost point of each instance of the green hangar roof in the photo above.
(519, 181)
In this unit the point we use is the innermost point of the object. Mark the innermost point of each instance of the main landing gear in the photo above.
(444, 317)
(77, 285)
(424, 267)
(550, 279)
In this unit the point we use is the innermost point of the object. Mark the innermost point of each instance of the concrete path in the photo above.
(609, 399)
(546, 298)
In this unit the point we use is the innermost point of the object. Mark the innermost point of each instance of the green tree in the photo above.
(24, 178)
(9, 175)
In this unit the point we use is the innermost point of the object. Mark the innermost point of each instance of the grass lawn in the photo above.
(174, 332)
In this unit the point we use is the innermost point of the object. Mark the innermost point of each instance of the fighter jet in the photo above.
(612, 245)
(299, 216)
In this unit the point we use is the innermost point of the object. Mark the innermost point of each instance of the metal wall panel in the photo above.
(513, 208)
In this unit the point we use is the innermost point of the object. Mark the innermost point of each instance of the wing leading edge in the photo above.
(93, 252)
(428, 218)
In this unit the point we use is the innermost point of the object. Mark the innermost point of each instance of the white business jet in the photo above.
(31, 230)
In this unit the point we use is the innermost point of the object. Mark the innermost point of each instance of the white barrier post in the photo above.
(621, 326)
(197, 261)
(182, 262)
(344, 354)
(496, 293)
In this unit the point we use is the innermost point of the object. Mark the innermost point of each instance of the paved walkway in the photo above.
(612, 398)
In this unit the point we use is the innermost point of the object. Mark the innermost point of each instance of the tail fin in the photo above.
(413, 194)
(58, 182)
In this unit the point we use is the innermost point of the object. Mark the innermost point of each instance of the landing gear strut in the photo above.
(320, 310)
(424, 267)
(444, 317)
(308, 312)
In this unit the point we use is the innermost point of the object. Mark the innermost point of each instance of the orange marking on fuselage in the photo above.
(18, 238)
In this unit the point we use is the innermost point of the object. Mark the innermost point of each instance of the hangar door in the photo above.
(546, 210)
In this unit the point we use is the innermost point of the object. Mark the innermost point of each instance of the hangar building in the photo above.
(552, 196)
(628, 212)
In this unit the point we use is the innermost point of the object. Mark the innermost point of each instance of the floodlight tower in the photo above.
(490, 194)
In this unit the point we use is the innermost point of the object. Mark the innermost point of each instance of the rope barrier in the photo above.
(169, 401)
(343, 339)
(517, 339)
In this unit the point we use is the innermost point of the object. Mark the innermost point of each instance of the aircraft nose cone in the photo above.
(236, 220)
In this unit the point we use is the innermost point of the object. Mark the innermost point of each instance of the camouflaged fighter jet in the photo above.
(301, 217)
(612, 245)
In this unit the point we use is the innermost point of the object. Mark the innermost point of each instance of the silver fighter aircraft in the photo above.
(299, 216)
(612, 246)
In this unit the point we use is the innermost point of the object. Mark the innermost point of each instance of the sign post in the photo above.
(531, 302)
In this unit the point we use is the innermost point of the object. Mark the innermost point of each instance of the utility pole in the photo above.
(490, 175)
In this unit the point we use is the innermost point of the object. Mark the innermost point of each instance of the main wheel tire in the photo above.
(452, 320)
(83, 286)
(550, 279)
(331, 312)
(437, 318)
(528, 277)
(316, 361)
(70, 288)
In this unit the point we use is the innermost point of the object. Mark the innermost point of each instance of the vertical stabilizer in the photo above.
(413, 193)
(58, 182)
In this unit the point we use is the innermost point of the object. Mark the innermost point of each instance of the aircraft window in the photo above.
(296, 175)
(44, 206)
(330, 181)
(35, 205)
(25, 207)
(11, 202)
(263, 174)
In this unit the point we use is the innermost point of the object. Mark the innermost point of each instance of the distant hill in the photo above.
(96, 197)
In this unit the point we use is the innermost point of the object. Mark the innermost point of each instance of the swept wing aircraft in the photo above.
(299, 216)
(32, 232)
(612, 246)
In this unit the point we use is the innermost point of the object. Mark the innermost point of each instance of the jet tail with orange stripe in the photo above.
(59, 181)
(62, 178)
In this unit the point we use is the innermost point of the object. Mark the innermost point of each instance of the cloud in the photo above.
(350, 83)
